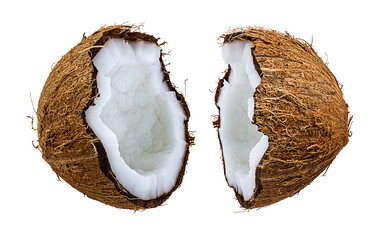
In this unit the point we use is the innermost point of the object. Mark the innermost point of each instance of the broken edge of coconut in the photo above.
(282, 117)
(93, 155)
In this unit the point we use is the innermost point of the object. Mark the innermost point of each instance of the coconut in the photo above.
(110, 122)
(282, 116)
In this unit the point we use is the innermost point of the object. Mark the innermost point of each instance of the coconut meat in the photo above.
(137, 118)
(243, 145)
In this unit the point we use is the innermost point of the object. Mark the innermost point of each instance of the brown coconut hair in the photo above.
(68, 144)
(299, 105)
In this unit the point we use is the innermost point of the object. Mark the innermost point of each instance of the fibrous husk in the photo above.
(299, 105)
(67, 143)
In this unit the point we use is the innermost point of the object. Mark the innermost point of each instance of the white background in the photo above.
(346, 203)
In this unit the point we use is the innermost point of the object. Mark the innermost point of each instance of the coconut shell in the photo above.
(299, 105)
(68, 144)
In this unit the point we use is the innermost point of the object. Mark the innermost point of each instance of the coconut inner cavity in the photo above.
(138, 120)
(242, 144)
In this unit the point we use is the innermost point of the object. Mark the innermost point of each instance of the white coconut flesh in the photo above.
(138, 120)
(243, 145)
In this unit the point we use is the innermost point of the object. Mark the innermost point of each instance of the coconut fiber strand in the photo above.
(299, 105)
(67, 143)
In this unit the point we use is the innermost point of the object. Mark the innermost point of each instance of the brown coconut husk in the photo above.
(299, 105)
(68, 144)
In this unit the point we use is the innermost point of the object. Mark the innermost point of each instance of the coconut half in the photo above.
(111, 124)
(282, 116)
